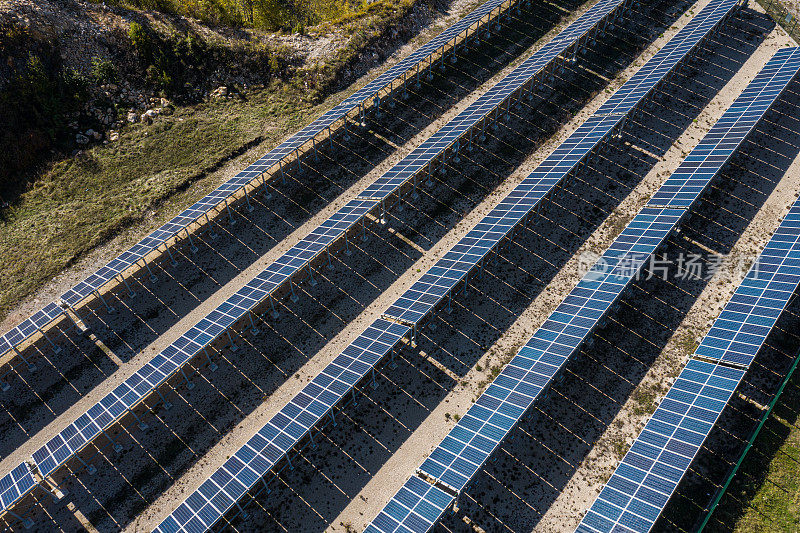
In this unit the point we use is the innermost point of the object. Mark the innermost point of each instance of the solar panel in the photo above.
(412, 164)
(415, 508)
(752, 312)
(273, 442)
(643, 482)
(399, 72)
(485, 425)
(154, 373)
(28, 327)
(489, 420)
(726, 136)
(436, 145)
(430, 290)
(646, 477)
(15, 485)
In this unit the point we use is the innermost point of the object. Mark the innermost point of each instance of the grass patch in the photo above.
(81, 203)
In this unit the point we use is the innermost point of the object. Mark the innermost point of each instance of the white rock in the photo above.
(152, 113)
(132, 117)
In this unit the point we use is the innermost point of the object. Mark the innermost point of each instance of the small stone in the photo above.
(132, 117)
(81, 139)
(113, 136)
(152, 113)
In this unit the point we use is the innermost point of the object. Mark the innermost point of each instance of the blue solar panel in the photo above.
(391, 181)
(454, 267)
(415, 508)
(751, 313)
(453, 131)
(28, 327)
(136, 388)
(466, 448)
(692, 176)
(15, 485)
(273, 442)
(399, 72)
(642, 484)
(486, 424)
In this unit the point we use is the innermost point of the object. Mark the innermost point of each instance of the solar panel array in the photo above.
(690, 179)
(201, 509)
(17, 482)
(640, 487)
(491, 418)
(170, 361)
(266, 164)
(417, 506)
(642, 484)
(471, 251)
(604, 8)
(272, 443)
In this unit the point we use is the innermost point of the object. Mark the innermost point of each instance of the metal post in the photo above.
(211, 232)
(56, 348)
(330, 261)
(247, 199)
(232, 346)
(254, 328)
(230, 215)
(89, 468)
(142, 425)
(131, 292)
(171, 257)
(294, 297)
(355, 401)
(153, 277)
(374, 383)
(167, 405)
(211, 364)
(364, 234)
(31, 366)
(333, 418)
(311, 280)
(189, 384)
(108, 307)
(275, 313)
(241, 510)
(192, 246)
(267, 194)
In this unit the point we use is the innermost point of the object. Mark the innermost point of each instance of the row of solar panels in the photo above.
(265, 450)
(170, 361)
(633, 499)
(647, 476)
(270, 163)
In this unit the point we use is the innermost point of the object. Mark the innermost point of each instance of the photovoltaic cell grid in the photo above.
(647, 77)
(477, 434)
(725, 137)
(489, 420)
(751, 313)
(193, 512)
(203, 206)
(454, 267)
(162, 367)
(458, 127)
(14, 484)
(29, 326)
(632, 501)
(415, 508)
(265, 449)
(57, 451)
(641, 485)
